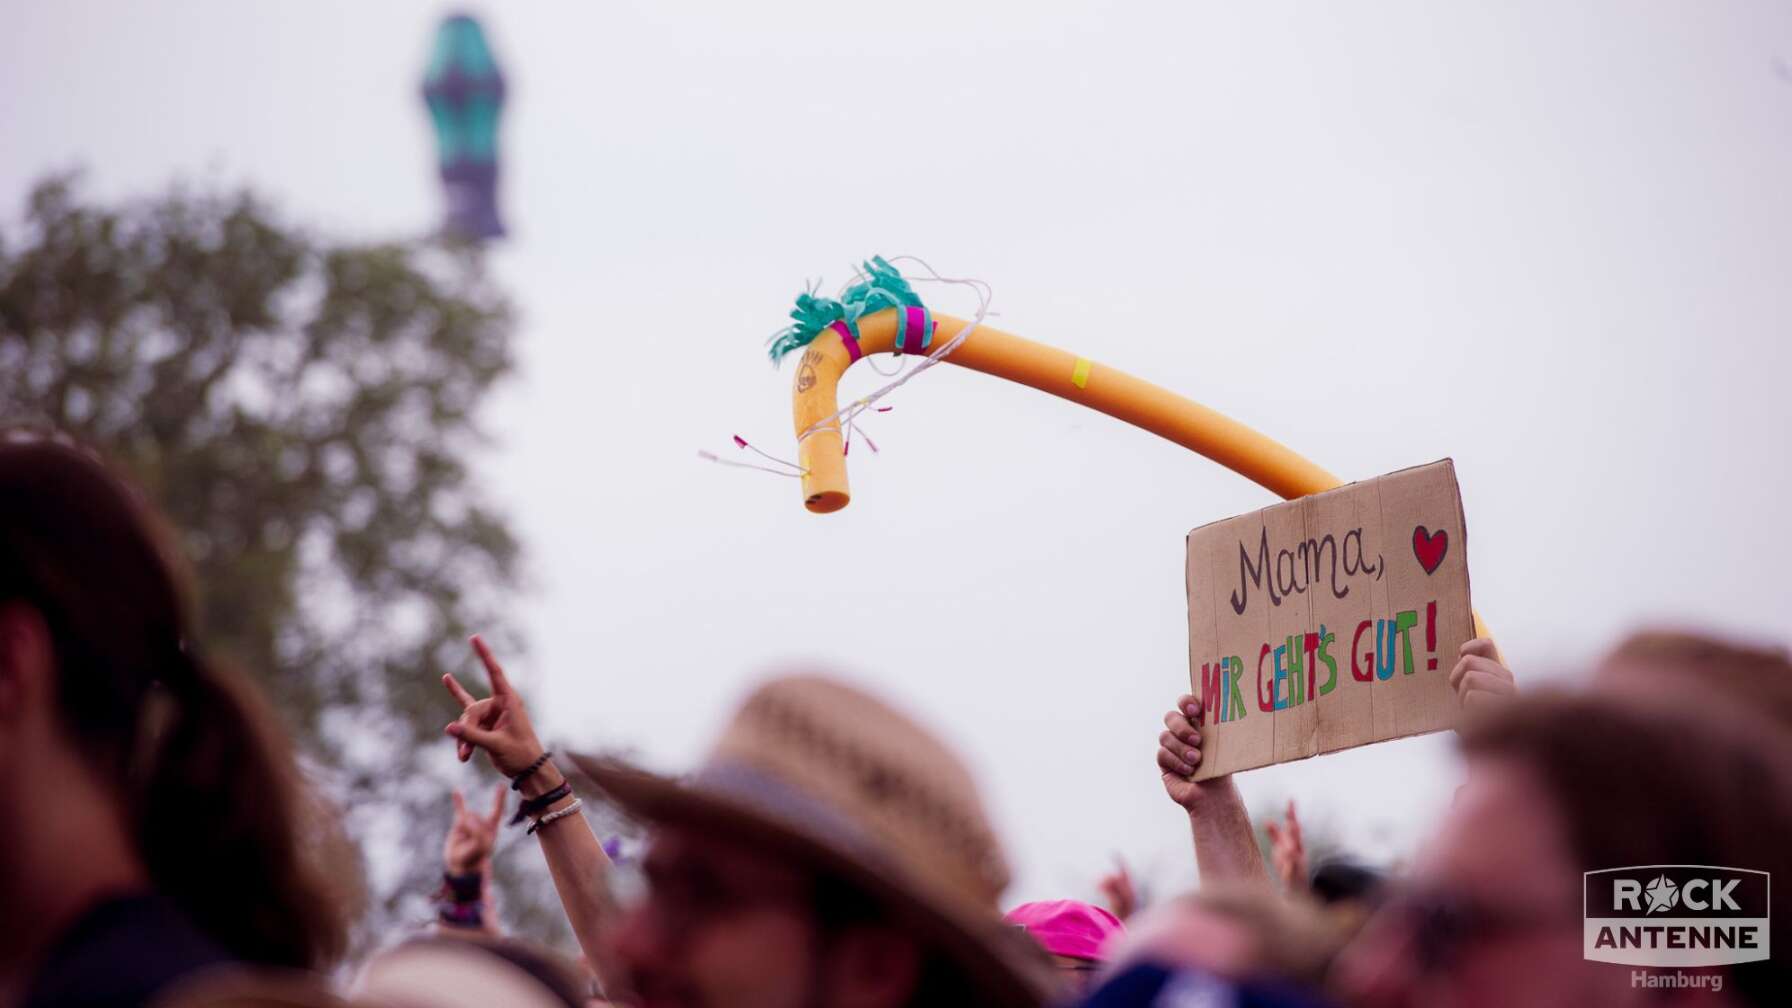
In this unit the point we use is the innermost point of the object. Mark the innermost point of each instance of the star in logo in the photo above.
(1662, 894)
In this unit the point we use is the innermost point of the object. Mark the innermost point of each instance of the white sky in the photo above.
(1549, 240)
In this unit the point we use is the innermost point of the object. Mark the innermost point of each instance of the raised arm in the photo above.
(466, 905)
(1225, 846)
(499, 724)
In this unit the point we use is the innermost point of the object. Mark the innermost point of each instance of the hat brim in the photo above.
(997, 958)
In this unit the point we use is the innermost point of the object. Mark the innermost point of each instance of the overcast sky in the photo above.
(1552, 241)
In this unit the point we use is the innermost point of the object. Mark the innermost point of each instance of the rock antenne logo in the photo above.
(1676, 915)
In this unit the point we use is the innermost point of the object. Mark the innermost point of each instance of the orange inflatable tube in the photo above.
(820, 446)
(1097, 386)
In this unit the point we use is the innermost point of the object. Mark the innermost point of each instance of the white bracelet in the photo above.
(577, 803)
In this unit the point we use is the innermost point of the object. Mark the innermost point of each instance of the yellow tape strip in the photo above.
(1080, 376)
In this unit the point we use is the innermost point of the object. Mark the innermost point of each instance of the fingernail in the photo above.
(1191, 756)
(1192, 711)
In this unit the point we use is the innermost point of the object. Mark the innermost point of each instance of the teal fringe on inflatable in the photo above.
(882, 287)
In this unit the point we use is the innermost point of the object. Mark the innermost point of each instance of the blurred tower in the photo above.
(465, 93)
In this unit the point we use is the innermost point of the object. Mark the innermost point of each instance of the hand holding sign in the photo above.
(1179, 751)
(1479, 679)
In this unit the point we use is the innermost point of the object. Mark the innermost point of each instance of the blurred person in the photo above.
(1074, 933)
(1338, 883)
(467, 972)
(1241, 932)
(464, 902)
(1238, 943)
(250, 987)
(1679, 666)
(1150, 985)
(1559, 785)
(1343, 884)
(153, 822)
(829, 851)
(1674, 666)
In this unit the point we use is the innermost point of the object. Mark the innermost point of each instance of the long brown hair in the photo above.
(225, 823)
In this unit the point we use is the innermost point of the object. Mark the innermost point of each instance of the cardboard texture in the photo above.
(1330, 621)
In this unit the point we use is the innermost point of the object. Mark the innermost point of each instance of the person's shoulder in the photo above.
(120, 954)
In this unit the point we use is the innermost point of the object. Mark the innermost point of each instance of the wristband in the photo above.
(516, 783)
(557, 815)
(530, 806)
(466, 915)
(463, 888)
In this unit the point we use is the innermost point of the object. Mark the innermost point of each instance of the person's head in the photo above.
(1239, 932)
(1557, 786)
(1674, 667)
(1343, 883)
(108, 704)
(467, 972)
(738, 924)
(829, 852)
(1075, 934)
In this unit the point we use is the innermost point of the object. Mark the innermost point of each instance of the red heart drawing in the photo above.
(1429, 547)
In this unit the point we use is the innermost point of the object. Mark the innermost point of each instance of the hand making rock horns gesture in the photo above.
(499, 724)
(472, 836)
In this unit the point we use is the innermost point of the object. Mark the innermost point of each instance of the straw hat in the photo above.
(838, 779)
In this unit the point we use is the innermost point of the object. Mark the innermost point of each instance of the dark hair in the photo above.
(840, 905)
(1638, 783)
(215, 800)
(1341, 880)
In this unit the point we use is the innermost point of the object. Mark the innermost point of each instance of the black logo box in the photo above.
(1749, 892)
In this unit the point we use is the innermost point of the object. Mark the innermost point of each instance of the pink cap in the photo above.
(1067, 927)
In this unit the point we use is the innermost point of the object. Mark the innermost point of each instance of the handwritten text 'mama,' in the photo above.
(1294, 570)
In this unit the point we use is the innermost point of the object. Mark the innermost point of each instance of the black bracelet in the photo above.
(530, 806)
(463, 888)
(516, 783)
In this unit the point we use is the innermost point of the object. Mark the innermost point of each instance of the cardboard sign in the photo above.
(1330, 621)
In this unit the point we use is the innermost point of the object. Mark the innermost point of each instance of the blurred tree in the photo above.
(303, 412)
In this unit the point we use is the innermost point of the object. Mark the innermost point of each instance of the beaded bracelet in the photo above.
(516, 783)
(557, 814)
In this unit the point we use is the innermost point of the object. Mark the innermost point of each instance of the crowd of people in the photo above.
(159, 844)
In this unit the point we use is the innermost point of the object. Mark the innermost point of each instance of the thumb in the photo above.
(468, 728)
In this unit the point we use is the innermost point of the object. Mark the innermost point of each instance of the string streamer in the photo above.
(876, 285)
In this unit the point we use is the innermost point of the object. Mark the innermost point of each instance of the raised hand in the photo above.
(1179, 751)
(498, 724)
(1479, 679)
(1288, 851)
(1118, 891)
(472, 837)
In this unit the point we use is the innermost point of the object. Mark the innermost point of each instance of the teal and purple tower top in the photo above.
(465, 93)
